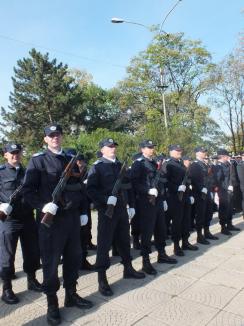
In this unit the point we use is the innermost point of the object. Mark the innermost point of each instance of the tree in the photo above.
(229, 102)
(175, 70)
(43, 92)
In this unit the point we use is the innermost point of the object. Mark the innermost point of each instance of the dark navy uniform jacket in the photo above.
(222, 175)
(143, 172)
(198, 173)
(43, 174)
(10, 179)
(240, 171)
(101, 180)
(175, 173)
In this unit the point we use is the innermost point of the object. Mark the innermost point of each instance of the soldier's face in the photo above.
(54, 141)
(109, 151)
(13, 158)
(201, 155)
(147, 151)
(176, 154)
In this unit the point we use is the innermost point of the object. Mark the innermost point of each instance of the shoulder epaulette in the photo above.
(168, 159)
(38, 154)
(2, 167)
(139, 159)
(195, 161)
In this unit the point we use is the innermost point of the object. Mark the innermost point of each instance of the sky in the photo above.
(79, 32)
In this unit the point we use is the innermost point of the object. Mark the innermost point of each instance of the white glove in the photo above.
(165, 205)
(83, 220)
(204, 190)
(85, 182)
(6, 208)
(212, 195)
(131, 212)
(153, 192)
(230, 188)
(182, 188)
(112, 200)
(192, 200)
(50, 208)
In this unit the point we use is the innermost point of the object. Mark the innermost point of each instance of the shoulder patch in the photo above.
(38, 154)
(97, 162)
(140, 159)
(195, 161)
(2, 167)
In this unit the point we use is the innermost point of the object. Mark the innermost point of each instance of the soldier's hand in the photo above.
(112, 200)
(131, 212)
(83, 220)
(182, 188)
(153, 192)
(230, 188)
(165, 205)
(204, 190)
(6, 208)
(50, 208)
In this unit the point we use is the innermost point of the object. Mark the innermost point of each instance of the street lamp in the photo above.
(116, 20)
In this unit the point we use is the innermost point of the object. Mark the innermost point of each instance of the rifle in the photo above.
(47, 218)
(11, 200)
(116, 188)
(154, 184)
(184, 182)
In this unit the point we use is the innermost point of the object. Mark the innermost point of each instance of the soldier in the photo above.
(240, 171)
(179, 205)
(151, 206)
(202, 193)
(16, 222)
(101, 180)
(225, 187)
(62, 238)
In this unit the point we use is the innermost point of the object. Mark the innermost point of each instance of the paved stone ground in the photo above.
(205, 288)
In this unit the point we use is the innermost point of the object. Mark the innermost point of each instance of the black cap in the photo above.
(53, 128)
(222, 151)
(12, 147)
(186, 158)
(200, 149)
(147, 143)
(107, 142)
(175, 147)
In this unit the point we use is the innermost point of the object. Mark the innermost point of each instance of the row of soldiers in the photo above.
(151, 196)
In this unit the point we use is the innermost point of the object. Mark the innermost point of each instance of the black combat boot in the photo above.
(130, 272)
(115, 252)
(32, 283)
(225, 231)
(136, 243)
(209, 235)
(231, 227)
(177, 249)
(53, 314)
(201, 239)
(163, 258)
(8, 295)
(103, 285)
(72, 299)
(147, 266)
(186, 245)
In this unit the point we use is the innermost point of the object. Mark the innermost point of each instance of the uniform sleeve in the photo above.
(218, 175)
(31, 186)
(195, 176)
(240, 172)
(96, 196)
(170, 177)
(136, 179)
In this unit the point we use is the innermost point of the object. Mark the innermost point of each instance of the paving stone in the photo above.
(220, 276)
(224, 318)
(143, 299)
(236, 305)
(179, 312)
(171, 284)
(191, 269)
(234, 264)
(149, 321)
(212, 295)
